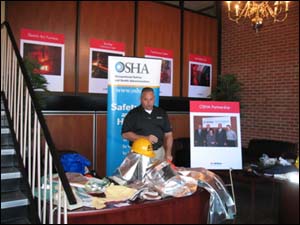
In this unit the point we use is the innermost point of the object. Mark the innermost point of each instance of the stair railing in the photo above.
(29, 124)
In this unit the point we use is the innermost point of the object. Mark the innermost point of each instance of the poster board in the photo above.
(215, 135)
(200, 76)
(98, 62)
(47, 49)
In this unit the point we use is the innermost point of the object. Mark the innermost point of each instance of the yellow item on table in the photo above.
(113, 193)
(297, 162)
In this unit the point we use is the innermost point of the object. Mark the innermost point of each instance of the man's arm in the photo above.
(131, 136)
(168, 143)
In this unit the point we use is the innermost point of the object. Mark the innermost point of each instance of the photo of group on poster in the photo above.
(46, 50)
(212, 131)
(98, 66)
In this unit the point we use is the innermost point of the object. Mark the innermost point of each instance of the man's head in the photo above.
(147, 98)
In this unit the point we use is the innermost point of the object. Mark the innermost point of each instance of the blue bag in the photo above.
(74, 162)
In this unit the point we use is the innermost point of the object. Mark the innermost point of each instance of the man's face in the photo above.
(147, 100)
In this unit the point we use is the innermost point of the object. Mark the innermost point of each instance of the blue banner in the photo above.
(127, 76)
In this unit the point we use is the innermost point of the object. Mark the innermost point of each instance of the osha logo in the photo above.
(131, 67)
(119, 67)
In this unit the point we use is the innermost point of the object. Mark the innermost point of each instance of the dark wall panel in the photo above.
(180, 124)
(72, 132)
(104, 20)
(48, 16)
(159, 27)
(200, 37)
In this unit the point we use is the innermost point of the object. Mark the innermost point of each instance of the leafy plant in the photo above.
(38, 82)
(228, 89)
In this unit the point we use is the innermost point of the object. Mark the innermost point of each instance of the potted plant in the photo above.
(228, 89)
(38, 82)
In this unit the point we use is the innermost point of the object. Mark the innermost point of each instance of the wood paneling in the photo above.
(101, 145)
(72, 132)
(180, 124)
(104, 20)
(200, 37)
(48, 16)
(159, 27)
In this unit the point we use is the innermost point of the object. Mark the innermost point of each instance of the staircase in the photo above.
(28, 154)
(16, 201)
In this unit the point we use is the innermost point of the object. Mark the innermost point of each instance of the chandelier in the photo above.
(257, 11)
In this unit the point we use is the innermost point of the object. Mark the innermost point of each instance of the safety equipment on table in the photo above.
(297, 162)
(143, 146)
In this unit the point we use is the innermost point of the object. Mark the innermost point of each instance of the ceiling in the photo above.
(203, 7)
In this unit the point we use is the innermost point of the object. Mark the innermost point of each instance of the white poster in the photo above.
(47, 49)
(98, 66)
(215, 135)
(166, 74)
(200, 76)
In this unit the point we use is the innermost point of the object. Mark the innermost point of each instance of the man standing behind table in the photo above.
(151, 122)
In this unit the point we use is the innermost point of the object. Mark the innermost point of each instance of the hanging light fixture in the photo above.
(257, 11)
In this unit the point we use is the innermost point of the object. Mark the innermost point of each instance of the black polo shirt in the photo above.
(142, 123)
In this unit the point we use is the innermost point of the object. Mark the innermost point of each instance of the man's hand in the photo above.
(169, 157)
(152, 138)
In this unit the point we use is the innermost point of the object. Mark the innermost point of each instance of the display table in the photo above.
(191, 209)
(288, 194)
(289, 203)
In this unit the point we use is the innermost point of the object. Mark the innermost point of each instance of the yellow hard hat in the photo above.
(143, 146)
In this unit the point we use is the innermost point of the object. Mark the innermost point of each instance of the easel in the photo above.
(232, 190)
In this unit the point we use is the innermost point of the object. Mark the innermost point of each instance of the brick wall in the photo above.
(267, 63)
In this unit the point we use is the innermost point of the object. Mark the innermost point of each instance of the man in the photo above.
(220, 136)
(151, 122)
(231, 136)
(199, 136)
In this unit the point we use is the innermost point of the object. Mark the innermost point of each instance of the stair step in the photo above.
(4, 121)
(8, 151)
(8, 157)
(10, 179)
(22, 220)
(6, 141)
(10, 173)
(5, 131)
(13, 199)
(15, 215)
